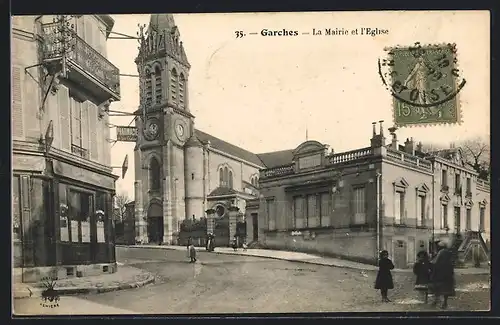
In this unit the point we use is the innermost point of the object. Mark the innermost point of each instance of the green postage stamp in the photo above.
(424, 82)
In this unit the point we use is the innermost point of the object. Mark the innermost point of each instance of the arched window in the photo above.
(182, 90)
(158, 90)
(221, 177)
(230, 179)
(226, 176)
(173, 85)
(148, 91)
(154, 175)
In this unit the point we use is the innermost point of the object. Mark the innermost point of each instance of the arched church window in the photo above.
(158, 88)
(149, 88)
(221, 177)
(182, 90)
(173, 85)
(154, 175)
(230, 179)
(226, 176)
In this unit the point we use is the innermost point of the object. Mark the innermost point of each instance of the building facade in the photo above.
(354, 204)
(62, 183)
(180, 171)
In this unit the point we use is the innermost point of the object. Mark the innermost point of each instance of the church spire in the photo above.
(161, 22)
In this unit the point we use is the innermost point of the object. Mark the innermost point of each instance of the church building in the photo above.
(180, 171)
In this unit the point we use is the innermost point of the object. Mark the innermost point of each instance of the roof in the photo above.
(219, 191)
(159, 22)
(276, 158)
(228, 148)
(193, 142)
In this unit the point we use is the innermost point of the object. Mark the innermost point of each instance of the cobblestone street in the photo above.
(220, 283)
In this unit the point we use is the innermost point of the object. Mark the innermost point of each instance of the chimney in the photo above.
(409, 146)
(374, 130)
(419, 146)
(381, 128)
(394, 141)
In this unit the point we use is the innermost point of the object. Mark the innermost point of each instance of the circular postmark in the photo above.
(424, 82)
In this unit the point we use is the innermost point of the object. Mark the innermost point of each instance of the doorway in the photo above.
(255, 226)
(400, 260)
(155, 230)
(155, 223)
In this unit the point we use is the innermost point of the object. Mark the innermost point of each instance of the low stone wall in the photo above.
(360, 246)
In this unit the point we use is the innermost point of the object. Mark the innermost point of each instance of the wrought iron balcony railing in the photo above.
(79, 151)
(58, 42)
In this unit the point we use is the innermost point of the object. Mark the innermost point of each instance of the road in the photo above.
(220, 283)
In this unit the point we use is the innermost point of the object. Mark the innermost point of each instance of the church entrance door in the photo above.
(155, 223)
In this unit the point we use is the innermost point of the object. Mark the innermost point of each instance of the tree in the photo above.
(476, 153)
(121, 201)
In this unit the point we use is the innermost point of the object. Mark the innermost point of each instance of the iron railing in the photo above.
(57, 44)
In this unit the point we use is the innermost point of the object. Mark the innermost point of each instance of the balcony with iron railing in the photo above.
(63, 50)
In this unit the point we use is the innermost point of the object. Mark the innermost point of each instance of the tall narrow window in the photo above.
(182, 90)
(359, 206)
(481, 218)
(468, 219)
(313, 219)
(457, 183)
(444, 221)
(230, 179)
(173, 85)
(422, 210)
(457, 219)
(444, 177)
(399, 207)
(79, 127)
(468, 186)
(271, 214)
(325, 209)
(226, 177)
(154, 175)
(149, 89)
(221, 177)
(298, 211)
(158, 86)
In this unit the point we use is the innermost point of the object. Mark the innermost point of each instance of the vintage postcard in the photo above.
(251, 163)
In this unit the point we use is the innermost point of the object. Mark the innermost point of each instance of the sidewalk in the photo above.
(302, 258)
(125, 277)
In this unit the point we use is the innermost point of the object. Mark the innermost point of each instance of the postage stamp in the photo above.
(424, 82)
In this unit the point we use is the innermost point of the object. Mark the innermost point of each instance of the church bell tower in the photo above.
(164, 124)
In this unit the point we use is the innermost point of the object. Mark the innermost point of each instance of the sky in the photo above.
(262, 92)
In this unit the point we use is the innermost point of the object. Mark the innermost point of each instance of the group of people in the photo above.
(433, 275)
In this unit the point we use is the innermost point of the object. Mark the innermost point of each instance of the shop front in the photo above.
(63, 225)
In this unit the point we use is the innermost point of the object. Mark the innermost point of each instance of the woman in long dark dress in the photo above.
(422, 270)
(384, 281)
(442, 279)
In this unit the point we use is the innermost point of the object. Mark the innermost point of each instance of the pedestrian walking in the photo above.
(189, 243)
(384, 282)
(422, 270)
(192, 254)
(442, 277)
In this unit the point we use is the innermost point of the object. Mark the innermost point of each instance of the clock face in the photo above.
(153, 129)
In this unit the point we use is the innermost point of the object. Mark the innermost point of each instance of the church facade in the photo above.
(180, 171)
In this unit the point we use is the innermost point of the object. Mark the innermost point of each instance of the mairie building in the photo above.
(350, 204)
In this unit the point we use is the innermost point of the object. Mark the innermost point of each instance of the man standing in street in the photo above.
(442, 279)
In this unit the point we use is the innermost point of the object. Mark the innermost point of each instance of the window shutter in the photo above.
(65, 122)
(89, 33)
(17, 104)
(85, 125)
(93, 122)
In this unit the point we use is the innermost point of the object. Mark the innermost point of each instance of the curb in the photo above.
(310, 261)
(89, 290)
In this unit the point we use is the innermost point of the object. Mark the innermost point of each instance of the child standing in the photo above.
(384, 281)
(192, 253)
(422, 269)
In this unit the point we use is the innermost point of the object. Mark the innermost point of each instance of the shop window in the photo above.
(101, 217)
(80, 211)
(63, 214)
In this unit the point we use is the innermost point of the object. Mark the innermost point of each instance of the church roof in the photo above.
(193, 142)
(219, 191)
(160, 22)
(228, 148)
(276, 158)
